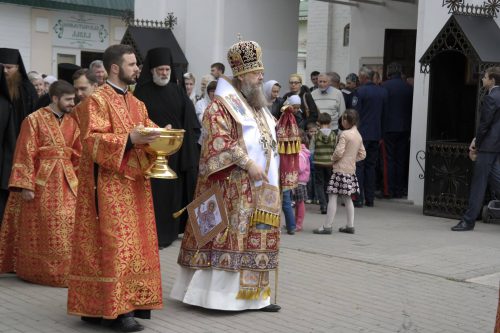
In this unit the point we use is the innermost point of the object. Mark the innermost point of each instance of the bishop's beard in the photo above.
(14, 85)
(254, 95)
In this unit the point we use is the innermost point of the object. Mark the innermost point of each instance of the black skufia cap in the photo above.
(159, 56)
(9, 56)
(13, 57)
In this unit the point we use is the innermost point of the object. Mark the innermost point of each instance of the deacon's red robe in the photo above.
(115, 265)
(36, 235)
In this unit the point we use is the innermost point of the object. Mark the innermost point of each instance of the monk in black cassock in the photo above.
(22, 93)
(19, 96)
(167, 103)
(7, 140)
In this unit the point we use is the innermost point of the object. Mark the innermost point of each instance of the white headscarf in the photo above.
(293, 100)
(268, 88)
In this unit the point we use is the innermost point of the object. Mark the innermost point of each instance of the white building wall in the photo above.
(206, 30)
(16, 30)
(302, 52)
(339, 61)
(319, 45)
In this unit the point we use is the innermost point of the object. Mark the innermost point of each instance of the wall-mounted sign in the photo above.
(80, 30)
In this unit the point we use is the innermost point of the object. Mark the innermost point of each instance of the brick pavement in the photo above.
(401, 272)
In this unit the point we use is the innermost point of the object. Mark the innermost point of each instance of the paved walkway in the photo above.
(400, 272)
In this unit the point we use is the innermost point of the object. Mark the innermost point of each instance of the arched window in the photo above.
(347, 29)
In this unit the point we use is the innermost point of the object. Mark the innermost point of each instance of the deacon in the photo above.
(35, 242)
(85, 83)
(239, 156)
(115, 267)
(167, 103)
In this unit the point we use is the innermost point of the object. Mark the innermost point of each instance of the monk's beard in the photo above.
(14, 85)
(254, 95)
(159, 80)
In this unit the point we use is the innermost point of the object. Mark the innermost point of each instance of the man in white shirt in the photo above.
(329, 100)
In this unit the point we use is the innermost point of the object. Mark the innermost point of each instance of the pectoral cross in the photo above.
(264, 142)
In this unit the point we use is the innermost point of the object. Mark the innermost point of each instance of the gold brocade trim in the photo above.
(113, 279)
(254, 293)
(263, 217)
(289, 147)
(92, 278)
(40, 182)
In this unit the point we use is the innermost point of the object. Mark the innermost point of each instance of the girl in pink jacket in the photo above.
(343, 182)
(300, 193)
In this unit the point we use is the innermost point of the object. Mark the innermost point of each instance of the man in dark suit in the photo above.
(487, 146)
(396, 124)
(370, 100)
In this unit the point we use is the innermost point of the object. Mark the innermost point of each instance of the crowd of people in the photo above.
(79, 212)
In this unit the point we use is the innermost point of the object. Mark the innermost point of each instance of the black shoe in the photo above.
(323, 212)
(143, 314)
(347, 230)
(92, 320)
(271, 308)
(291, 232)
(463, 226)
(127, 324)
(369, 203)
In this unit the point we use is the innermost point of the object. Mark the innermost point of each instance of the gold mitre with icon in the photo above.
(168, 143)
(245, 57)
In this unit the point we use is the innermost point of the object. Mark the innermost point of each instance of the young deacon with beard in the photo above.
(36, 236)
(239, 156)
(115, 267)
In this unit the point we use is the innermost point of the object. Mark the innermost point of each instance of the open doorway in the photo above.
(399, 46)
(87, 57)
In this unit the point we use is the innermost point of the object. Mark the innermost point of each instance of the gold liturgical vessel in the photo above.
(169, 142)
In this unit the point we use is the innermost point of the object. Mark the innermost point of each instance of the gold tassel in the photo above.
(260, 216)
(266, 293)
(179, 212)
(195, 257)
(254, 293)
(224, 237)
(288, 149)
(280, 148)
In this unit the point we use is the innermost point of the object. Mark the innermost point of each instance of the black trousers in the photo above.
(397, 145)
(322, 175)
(365, 172)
